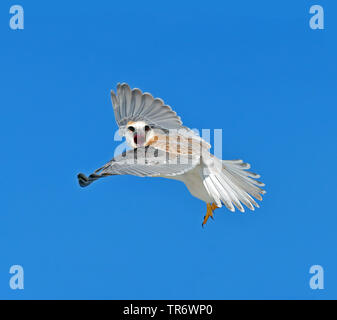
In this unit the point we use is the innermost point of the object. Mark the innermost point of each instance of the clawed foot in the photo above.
(209, 212)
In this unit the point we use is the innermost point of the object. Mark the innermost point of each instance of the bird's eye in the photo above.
(147, 128)
(131, 128)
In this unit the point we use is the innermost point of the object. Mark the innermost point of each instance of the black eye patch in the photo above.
(132, 129)
(147, 128)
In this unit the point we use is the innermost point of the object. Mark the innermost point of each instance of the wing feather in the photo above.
(143, 162)
(133, 105)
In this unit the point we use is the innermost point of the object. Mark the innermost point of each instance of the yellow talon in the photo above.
(214, 206)
(209, 212)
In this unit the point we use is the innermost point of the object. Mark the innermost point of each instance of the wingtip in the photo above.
(83, 180)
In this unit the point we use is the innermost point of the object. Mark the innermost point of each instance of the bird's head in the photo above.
(138, 134)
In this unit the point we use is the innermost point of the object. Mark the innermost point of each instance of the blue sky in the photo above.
(252, 68)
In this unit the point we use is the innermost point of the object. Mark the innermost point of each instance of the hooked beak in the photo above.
(139, 139)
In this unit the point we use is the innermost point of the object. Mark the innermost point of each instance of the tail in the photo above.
(229, 183)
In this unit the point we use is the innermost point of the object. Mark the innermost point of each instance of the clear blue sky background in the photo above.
(253, 68)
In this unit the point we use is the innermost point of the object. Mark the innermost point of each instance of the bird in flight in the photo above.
(162, 147)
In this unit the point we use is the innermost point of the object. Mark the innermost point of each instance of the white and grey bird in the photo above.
(163, 147)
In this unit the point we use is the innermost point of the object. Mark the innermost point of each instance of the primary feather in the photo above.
(143, 162)
(133, 105)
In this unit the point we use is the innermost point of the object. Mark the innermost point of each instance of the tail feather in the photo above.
(245, 184)
(212, 190)
(237, 188)
(224, 195)
(234, 196)
(246, 176)
(240, 194)
(232, 184)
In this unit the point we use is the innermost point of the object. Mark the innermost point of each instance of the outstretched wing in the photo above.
(143, 162)
(134, 105)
